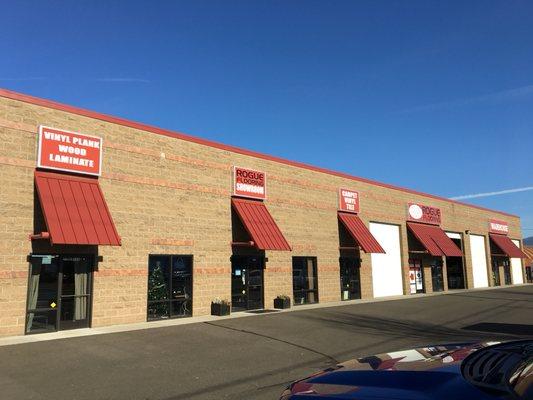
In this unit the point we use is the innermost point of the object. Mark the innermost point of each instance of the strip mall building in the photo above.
(105, 221)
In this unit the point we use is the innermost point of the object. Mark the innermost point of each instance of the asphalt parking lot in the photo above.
(253, 358)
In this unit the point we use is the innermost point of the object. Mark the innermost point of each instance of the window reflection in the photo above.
(169, 286)
(304, 280)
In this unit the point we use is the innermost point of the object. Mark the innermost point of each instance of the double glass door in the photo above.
(350, 278)
(59, 292)
(246, 283)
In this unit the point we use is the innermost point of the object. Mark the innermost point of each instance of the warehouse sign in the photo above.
(497, 226)
(249, 183)
(421, 213)
(69, 151)
(348, 200)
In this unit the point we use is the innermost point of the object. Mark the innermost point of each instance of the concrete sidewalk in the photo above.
(42, 337)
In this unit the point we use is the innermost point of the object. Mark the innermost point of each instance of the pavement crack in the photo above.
(332, 360)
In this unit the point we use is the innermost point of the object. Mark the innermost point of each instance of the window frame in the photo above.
(170, 301)
(306, 291)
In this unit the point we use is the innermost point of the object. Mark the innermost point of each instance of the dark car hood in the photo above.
(431, 372)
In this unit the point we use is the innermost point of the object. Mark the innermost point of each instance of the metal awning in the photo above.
(75, 211)
(435, 240)
(259, 224)
(507, 246)
(360, 233)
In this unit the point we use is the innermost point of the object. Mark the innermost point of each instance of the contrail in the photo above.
(487, 194)
(491, 98)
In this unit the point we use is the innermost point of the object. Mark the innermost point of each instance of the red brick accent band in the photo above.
(9, 94)
(121, 272)
(172, 242)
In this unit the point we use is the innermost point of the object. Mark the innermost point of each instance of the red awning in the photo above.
(360, 233)
(435, 240)
(74, 210)
(260, 225)
(507, 246)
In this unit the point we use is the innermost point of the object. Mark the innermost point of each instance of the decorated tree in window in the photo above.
(157, 290)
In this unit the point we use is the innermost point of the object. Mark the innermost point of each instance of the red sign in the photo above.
(348, 200)
(69, 151)
(425, 214)
(496, 226)
(249, 183)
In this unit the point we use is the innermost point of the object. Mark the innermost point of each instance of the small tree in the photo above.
(157, 290)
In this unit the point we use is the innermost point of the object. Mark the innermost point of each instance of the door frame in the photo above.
(357, 260)
(437, 264)
(262, 262)
(92, 261)
(495, 263)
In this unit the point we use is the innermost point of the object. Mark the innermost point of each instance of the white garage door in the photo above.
(516, 267)
(479, 261)
(387, 268)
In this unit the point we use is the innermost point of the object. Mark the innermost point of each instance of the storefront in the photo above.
(429, 247)
(354, 237)
(528, 250)
(197, 230)
(506, 255)
(455, 265)
(254, 231)
(71, 222)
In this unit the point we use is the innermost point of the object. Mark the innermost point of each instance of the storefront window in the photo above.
(416, 276)
(169, 286)
(304, 280)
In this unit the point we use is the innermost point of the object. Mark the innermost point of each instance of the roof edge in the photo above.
(179, 135)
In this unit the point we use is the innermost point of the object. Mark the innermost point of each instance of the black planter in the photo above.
(220, 309)
(282, 303)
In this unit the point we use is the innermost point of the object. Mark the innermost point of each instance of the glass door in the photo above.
(495, 272)
(416, 277)
(350, 278)
(246, 283)
(437, 277)
(43, 294)
(59, 293)
(75, 292)
(507, 272)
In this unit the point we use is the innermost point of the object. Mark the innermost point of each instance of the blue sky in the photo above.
(431, 95)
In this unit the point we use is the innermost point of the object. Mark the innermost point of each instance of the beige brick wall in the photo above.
(170, 196)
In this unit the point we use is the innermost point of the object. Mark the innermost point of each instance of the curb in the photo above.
(43, 337)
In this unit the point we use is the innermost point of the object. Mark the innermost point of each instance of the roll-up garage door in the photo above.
(387, 267)
(516, 267)
(479, 261)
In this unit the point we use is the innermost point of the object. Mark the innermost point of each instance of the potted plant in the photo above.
(282, 301)
(220, 307)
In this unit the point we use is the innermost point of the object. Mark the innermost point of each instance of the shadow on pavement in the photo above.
(494, 327)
